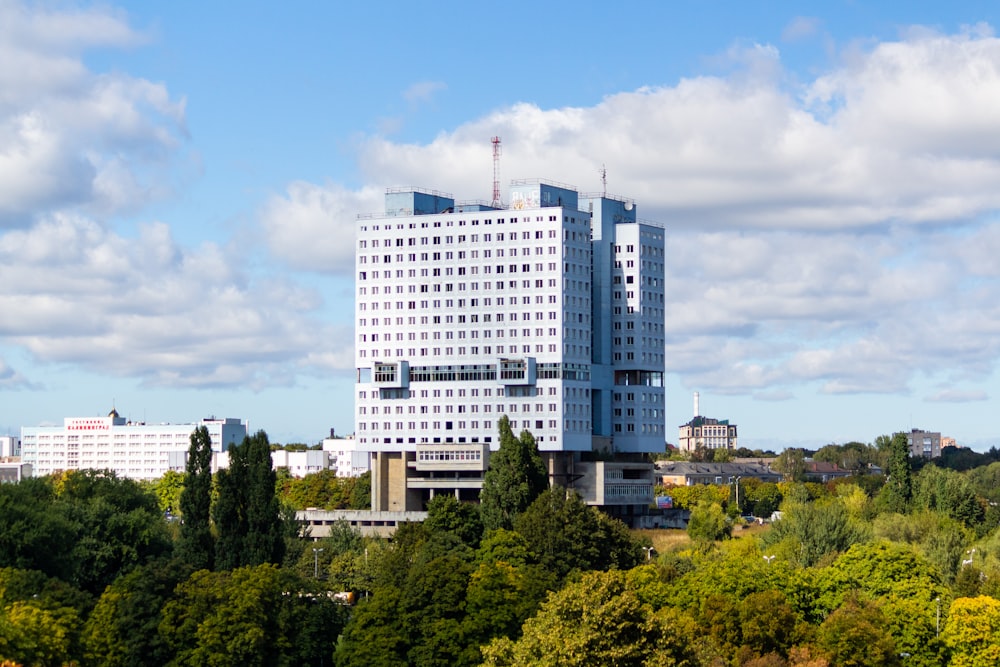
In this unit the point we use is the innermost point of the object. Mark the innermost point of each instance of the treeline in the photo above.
(95, 571)
(903, 572)
(857, 572)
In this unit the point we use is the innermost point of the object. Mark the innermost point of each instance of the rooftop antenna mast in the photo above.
(496, 203)
(604, 181)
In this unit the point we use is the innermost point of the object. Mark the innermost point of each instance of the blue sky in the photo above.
(179, 184)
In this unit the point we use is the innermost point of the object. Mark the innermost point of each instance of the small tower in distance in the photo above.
(497, 202)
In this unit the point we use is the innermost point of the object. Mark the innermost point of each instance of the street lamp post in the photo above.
(938, 625)
(316, 562)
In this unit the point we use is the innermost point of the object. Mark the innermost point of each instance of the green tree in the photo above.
(688, 497)
(323, 490)
(167, 490)
(708, 523)
(816, 529)
(855, 635)
(880, 570)
(762, 498)
(247, 513)
(40, 618)
(501, 596)
(361, 492)
(445, 513)
(949, 493)
(767, 623)
(564, 534)
(35, 533)
(196, 545)
(258, 615)
(122, 629)
(897, 492)
(31, 634)
(516, 477)
(118, 526)
(792, 464)
(597, 621)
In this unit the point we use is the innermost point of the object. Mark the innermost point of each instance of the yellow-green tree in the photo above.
(972, 632)
(708, 523)
(32, 634)
(596, 621)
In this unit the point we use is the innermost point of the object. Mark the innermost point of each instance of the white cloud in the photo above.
(312, 227)
(147, 308)
(799, 28)
(957, 396)
(834, 235)
(906, 134)
(69, 137)
(423, 91)
(11, 379)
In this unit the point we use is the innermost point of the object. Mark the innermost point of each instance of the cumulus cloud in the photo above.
(837, 234)
(312, 227)
(10, 378)
(71, 137)
(908, 133)
(957, 396)
(148, 308)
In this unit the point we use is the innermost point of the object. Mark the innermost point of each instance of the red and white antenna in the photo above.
(496, 203)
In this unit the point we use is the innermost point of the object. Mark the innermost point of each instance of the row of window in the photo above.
(487, 237)
(387, 224)
(571, 408)
(436, 304)
(572, 425)
(426, 288)
(570, 350)
(450, 455)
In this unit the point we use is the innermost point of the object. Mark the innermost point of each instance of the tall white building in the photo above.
(131, 449)
(550, 311)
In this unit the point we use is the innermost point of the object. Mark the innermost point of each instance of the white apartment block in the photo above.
(346, 458)
(549, 311)
(300, 464)
(131, 449)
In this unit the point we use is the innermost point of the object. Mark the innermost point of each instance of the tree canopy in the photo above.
(515, 477)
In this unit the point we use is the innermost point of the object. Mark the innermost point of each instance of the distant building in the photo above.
(689, 473)
(303, 463)
(823, 471)
(14, 471)
(130, 449)
(9, 446)
(924, 444)
(948, 442)
(346, 458)
(706, 433)
(298, 464)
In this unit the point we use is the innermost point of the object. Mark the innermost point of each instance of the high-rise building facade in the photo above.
(549, 311)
